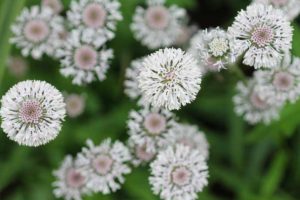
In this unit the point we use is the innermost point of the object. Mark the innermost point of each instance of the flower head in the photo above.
(32, 112)
(75, 105)
(250, 104)
(36, 30)
(106, 164)
(150, 127)
(140, 154)
(17, 66)
(170, 78)
(157, 25)
(263, 34)
(83, 61)
(178, 173)
(70, 180)
(96, 18)
(55, 5)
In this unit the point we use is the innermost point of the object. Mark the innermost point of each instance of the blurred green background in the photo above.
(246, 163)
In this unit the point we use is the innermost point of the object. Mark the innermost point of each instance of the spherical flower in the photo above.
(214, 49)
(263, 34)
(17, 66)
(36, 30)
(290, 8)
(280, 84)
(75, 105)
(190, 136)
(70, 181)
(106, 164)
(32, 113)
(96, 18)
(157, 25)
(82, 61)
(170, 78)
(151, 127)
(178, 173)
(55, 5)
(140, 154)
(250, 104)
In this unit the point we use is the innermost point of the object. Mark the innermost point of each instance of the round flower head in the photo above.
(36, 31)
(170, 78)
(290, 8)
(178, 173)
(17, 66)
(140, 154)
(75, 105)
(151, 127)
(249, 104)
(96, 18)
(32, 112)
(213, 49)
(280, 84)
(263, 34)
(106, 164)
(191, 137)
(157, 25)
(55, 5)
(82, 61)
(70, 181)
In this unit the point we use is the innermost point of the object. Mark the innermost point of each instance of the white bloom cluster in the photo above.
(157, 25)
(32, 113)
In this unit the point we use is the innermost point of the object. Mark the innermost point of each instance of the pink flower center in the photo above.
(94, 15)
(85, 57)
(186, 142)
(262, 36)
(142, 154)
(181, 176)
(257, 101)
(279, 3)
(74, 105)
(157, 17)
(103, 164)
(36, 30)
(30, 111)
(55, 5)
(74, 178)
(283, 81)
(155, 123)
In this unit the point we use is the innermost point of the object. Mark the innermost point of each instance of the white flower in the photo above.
(249, 104)
(96, 18)
(17, 66)
(178, 173)
(32, 112)
(55, 5)
(36, 30)
(82, 61)
(140, 154)
(190, 136)
(290, 8)
(280, 84)
(70, 181)
(75, 105)
(214, 49)
(157, 25)
(262, 34)
(106, 164)
(151, 127)
(170, 78)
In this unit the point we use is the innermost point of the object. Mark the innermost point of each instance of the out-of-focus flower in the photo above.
(83, 61)
(75, 105)
(140, 154)
(170, 78)
(17, 66)
(185, 33)
(36, 30)
(32, 113)
(262, 34)
(97, 19)
(151, 127)
(178, 173)
(106, 164)
(290, 8)
(157, 25)
(70, 181)
(250, 104)
(55, 5)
